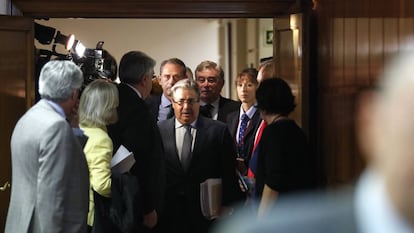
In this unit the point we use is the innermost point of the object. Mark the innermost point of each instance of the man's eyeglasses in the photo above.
(190, 102)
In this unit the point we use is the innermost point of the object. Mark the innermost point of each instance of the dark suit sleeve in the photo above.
(137, 130)
(231, 190)
(148, 151)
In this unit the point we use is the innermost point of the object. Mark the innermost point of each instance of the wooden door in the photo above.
(16, 92)
(288, 44)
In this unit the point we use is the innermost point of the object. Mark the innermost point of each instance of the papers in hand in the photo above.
(122, 160)
(210, 198)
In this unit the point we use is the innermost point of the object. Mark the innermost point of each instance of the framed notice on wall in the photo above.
(269, 37)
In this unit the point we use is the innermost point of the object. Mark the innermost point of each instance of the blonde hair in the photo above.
(98, 104)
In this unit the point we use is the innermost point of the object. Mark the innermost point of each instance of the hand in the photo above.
(73, 117)
(150, 219)
(250, 182)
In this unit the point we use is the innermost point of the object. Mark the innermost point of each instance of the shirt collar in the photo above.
(250, 112)
(165, 102)
(179, 125)
(374, 210)
(57, 108)
(215, 103)
(136, 90)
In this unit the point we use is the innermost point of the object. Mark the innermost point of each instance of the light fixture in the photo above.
(67, 41)
(79, 48)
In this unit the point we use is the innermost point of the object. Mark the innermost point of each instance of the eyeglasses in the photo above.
(190, 102)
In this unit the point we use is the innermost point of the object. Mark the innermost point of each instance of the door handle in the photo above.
(5, 186)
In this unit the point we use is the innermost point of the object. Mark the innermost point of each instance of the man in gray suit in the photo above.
(49, 172)
(383, 199)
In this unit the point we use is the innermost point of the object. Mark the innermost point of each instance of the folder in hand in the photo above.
(122, 161)
(210, 198)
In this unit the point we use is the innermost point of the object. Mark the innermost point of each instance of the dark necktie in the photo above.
(206, 110)
(171, 111)
(186, 148)
(243, 125)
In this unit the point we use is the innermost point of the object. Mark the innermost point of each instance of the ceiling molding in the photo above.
(155, 8)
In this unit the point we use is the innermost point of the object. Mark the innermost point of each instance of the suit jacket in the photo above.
(213, 156)
(98, 151)
(249, 135)
(153, 102)
(137, 130)
(226, 106)
(50, 180)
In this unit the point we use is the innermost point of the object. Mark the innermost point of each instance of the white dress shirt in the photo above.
(374, 210)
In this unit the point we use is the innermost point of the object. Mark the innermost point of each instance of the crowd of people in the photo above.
(180, 133)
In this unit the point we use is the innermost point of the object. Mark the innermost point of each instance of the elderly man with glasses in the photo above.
(196, 149)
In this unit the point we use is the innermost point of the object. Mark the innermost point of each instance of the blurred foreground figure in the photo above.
(383, 198)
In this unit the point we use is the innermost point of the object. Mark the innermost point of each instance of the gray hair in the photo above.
(185, 84)
(134, 66)
(210, 65)
(59, 79)
(98, 104)
(175, 61)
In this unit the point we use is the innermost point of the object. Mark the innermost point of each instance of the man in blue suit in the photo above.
(171, 71)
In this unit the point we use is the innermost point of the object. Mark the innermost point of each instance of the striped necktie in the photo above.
(243, 125)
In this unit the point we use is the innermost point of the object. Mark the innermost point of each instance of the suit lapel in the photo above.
(221, 110)
(199, 139)
(254, 123)
(233, 120)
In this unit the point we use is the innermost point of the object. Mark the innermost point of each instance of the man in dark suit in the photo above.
(382, 200)
(211, 155)
(210, 79)
(171, 71)
(137, 130)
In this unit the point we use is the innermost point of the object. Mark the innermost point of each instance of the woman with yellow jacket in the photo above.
(97, 108)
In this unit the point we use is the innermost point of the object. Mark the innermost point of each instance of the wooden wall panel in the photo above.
(362, 55)
(355, 39)
(376, 49)
(16, 91)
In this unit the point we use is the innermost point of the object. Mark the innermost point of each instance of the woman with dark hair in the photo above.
(283, 161)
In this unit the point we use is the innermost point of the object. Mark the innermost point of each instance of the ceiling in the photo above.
(158, 8)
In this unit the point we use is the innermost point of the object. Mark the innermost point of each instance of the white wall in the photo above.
(7, 8)
(265, 50)
(191, 40)
(3, 7)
